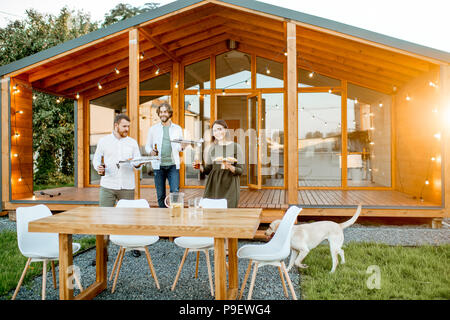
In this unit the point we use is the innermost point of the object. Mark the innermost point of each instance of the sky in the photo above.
(422, 22)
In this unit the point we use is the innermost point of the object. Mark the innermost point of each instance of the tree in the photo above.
(124, 11)
(53, 123)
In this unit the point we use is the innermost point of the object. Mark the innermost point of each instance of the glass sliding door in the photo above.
(368, 138)
(102, 111)
(197, 117)
(319, 139)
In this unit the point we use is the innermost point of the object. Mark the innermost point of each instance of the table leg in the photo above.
(101, 263)
(233, 277)
(65, 267)
(220, 273)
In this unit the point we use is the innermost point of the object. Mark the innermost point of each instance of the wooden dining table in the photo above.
(221, 224)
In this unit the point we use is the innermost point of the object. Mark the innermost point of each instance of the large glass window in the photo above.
(308, 78)
(233, 70)
(197, 119)
(148, 118)
(269, 74)
(101, 123)
(368, 138)
(161, 82)
(197, 75)
(319, 139)
(272, 142)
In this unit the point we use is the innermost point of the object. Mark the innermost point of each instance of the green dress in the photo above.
(222, 183)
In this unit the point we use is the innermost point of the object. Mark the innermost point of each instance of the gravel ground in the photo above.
(135, 281)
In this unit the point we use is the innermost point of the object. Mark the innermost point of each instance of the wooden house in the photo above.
(336, 115)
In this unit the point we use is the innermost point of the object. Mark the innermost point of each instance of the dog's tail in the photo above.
(351, 221)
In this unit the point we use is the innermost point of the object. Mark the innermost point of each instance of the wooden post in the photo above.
(445, 158)
(344, 133)
(5, 141)
(65, 266)
(292, 114)
(133, 96)
(80, 142)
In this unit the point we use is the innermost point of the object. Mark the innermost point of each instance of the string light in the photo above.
(437, 136)
(16, 155)
(267, 70)
(380, 105)
(117, 70)
(223, 92)
(157, 71)
(58, 100)
(311, 74)
(19, 112)
(78, 96)
(356, 100)
(20, 179)
(17, 134)
(427, 182)
(176, 85)
(408, 98)
(99, 86)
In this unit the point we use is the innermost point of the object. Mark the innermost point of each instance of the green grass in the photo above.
(12, 262)
(39, 187)
(409, 273)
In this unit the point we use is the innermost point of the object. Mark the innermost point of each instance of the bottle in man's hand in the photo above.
(102, 165)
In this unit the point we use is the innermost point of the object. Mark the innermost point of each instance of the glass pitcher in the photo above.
(176, 201)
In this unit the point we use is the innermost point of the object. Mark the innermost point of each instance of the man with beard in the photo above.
(158, 143)
(116, 182)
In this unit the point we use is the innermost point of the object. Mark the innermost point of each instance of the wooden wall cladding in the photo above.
(21, 139)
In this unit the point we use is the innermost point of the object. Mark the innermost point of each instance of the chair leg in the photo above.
(152, 270)
(54, 274)
(122, 253)
(284, 284)
(208, 264)
(27, 265)
(196, 265)
(115, 264)
(247, 273)
(252, 283)
(44, 278)
(283, 267)
(179, 269)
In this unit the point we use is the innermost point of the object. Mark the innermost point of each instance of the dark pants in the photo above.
(170, 173)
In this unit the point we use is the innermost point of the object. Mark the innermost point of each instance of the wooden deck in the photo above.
(316, 203)
(265, 198)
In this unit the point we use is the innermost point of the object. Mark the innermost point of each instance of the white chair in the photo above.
(37, 246)
(197, 244)
(128, 243)
(271, 253)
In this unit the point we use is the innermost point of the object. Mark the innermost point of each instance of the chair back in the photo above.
(207, 203)
(140, 203)
(282, 239)
(34, 242)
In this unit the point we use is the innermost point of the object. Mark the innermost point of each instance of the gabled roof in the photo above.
(186, 27)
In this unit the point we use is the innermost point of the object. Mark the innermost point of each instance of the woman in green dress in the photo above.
(223, 164)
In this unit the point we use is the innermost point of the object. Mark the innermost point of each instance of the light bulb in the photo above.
(20, 179)
(100, 86)
(176, 85)
(78, 95)
(117, 70)
(311, 74)
(16, 155)
(267, 70)
(157, 71)
(223, 92)
(437, 136)
(380, 105)
(408, 98)
(427, 182)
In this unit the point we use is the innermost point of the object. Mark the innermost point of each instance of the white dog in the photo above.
(306, 237)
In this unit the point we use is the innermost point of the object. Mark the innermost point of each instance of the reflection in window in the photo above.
(272, 142)
(101, 123)
(368, 138)
(197, 75)
(233, 70)
(161, 82)
(319, 142)
(148, 118)
(196, 126)
(313, 79)
(269, 74)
